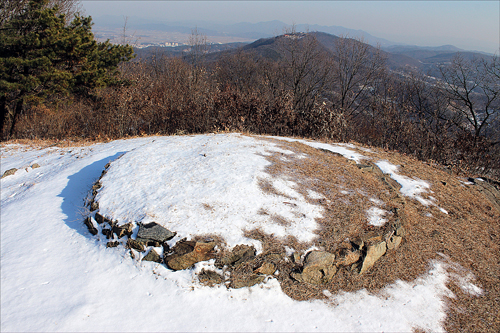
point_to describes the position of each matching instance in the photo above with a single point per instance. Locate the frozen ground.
(55, 276)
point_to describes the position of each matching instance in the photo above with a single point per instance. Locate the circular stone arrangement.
(241, 265)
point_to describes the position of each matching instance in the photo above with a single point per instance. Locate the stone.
(156, 232)
(136, 245)
(35, 166)
(393, 242)
(247, 281)
(373, 254)
(239, 255)
(149, 242)
(108, 233)
(319, 268)
(267, 268)
(152, 256)
(349, 257)
(9, 172)
(90, 226)
(400, 231)
(101, 219)
(365, 167)
(123, 230)
(296, 257)
(358, 243)
(201, 252)
(391, 183)
(331, 152)
(112, 244)
(209, 278)
(94, 205)
(488, 189)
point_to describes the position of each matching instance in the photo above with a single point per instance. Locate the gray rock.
(152, 256)
(319, 268)
(149, 242)
(373, 254)
(154, 231)
(9, 172)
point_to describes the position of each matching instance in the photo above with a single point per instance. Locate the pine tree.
(41, 56)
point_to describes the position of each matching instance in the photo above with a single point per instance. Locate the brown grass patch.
(469, 234)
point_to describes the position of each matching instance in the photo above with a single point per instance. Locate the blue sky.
(473, 25)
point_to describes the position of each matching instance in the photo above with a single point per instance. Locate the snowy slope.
(55, 276)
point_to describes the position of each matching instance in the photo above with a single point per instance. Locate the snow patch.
(375, 216)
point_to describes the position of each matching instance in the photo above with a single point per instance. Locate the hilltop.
(287, 199)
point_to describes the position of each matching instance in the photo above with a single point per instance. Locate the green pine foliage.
(41, 56)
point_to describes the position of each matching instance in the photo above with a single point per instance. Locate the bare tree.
(355, 68)
(302, 69)
(198, 43)
(473, 90)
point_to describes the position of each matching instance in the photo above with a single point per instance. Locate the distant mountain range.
(254, 31)
(243, 30)
(424, 59)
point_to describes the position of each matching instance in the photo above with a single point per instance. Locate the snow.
(55, 276)
(376, 216)
(206, 184)
(339, 148)
(409, 187)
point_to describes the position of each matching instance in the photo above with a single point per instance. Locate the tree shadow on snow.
(77, 190)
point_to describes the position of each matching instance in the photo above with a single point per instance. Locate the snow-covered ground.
(55, 276)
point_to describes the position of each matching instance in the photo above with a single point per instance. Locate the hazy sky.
(473, 25)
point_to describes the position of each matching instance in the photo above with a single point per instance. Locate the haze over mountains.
(148, 32)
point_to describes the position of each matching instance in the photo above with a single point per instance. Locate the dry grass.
(469, 234)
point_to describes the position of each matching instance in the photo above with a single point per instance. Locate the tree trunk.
(3, 114)
(17, 111)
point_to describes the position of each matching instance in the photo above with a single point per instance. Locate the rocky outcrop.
(491, 190)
